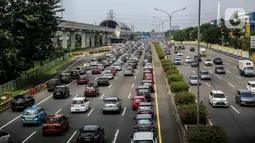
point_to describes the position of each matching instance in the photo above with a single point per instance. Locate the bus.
(93, 61)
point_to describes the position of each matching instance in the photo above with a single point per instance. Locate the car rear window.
(144, 108)
(77, 102)
(143, 122)
(110, 100)
(29, 112)
(139, 99)
(148, 76)
(51, 120)
(86, 133)
(143, 90)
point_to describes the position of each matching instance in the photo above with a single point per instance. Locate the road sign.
(252, 42)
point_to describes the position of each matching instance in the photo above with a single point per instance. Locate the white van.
(246, 68)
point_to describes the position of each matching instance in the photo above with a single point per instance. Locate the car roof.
(244, 90)
(111, 98)
(147, 81)
(251, 82)
(90, 127)
(193, 76)
(143, 116)
(34, 107)
(145, 103)
(143, 86)
(79, 98)
(143, 136)
(62, 86)
(177, 58)
(139, 97)
(55, 116)
(217, 91)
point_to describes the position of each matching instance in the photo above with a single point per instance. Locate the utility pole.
(110, 16)
(218, 13)
(198, 67)
(62, 7)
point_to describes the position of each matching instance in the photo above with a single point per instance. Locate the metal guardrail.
(24, 79)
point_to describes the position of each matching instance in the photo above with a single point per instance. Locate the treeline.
(27, 28)
(214, 34)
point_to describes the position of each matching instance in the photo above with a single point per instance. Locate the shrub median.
(187, 106)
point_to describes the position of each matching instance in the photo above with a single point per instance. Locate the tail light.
(96, 137)
(139, 112)
(44, 125)
(58, 125)
(82, 105)
(72, 105)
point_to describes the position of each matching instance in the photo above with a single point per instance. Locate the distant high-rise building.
(176, 27)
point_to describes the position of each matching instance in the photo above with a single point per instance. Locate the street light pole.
(162, 21)
(198, 67)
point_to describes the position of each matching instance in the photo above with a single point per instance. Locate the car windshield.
(89, 87)
(59, 88)
(246, 94)
(208, 60)
(248, 68)
(139, 99)
(217, 58)
(146, 83)
(143, 122)
(193, 77)
(77, 102)
(148, 76)
(205, 73)
(110, 101)
(143, 90)
(188, 58)
(144, 108)
(51, 120)
(220, 68)
(86, 133)
(177, 59)
(219, 95)
(29, 112)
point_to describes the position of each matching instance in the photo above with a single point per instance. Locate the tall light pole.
(198, 54)
(62, 7)
(162, 21)
(170, 18)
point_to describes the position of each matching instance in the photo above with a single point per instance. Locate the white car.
(108, 75)
(100, 66)
(4, 137)
(148, 64)
(188, 59)
(208, 62)
(218, 98)
(251, 86)
(179, 54)
(117, 67)
(148, 67)
(80, 104)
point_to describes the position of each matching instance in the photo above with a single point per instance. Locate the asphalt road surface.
(118, 127)
(238, 121)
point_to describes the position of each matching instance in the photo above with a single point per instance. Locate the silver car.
(112, 104)
(5, 137)
(128, 72)
(144, 137)
(193, 80)
(205, 75)
(108, 75)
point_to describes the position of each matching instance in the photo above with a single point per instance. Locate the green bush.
(207, 134)
(166, 64)
(179, 86)
(166, 67)
(188, 114)
(164, 61)
(184, 98)
(161, 53)
(172, 71)
(172, 77)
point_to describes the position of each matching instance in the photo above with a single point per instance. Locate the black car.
(61, 92)
(245, 98)
(51, 84)
(219, 70)
(22, 101)
(81, 69)
(217, 61)
(103, 81)
(74, 74)
(149, 83)
(183, 47)
(196, 57)
(91, 134)
(65, 77)
(194, 63)
(144, 122)
(191, 49)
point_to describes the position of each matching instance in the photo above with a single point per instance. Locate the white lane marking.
(129, 95)
(137, 72)
(11, 121)
(132, 85)
(231, 85)
(218, 76)
(116, 78)
(96, 78)
(110, 86)
(115, 136)
(71, 82)
(102, 96)
(234, 109)
(44, 100)
(208, 84)
(71, 137)
(90, 111)
(29, 137)
(138, 67)
(135, 77)
(75, 96)
(228, 71)
(58, 111)
(234, 66)
(73, 63)
(238, 77)
(124, 111)
(193, 71)
(188, 66)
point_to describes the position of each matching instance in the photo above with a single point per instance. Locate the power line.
(136, 19)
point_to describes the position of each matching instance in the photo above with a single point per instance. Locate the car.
(205, 75)
(219, 70)
(144, 122)
(61, 91)
(108, 75)
(82, 79)
(217, 61)
(100, 66)
(128, 72)
(179, 54)
(65, 77)
(148, 77)
(148, 65)
(208, 62)
(177, 61)
(91, 90)
(245, 97)
(22, 101)
(57, 123)
(193, 80)
(192, 49)
(103, 81)
(91, 134)
(197, 58)
(80, 104)
(112, 104)
(118, 67)
(218, 98)
(33, 115)
(114, 72)
(144, 137)
(74, 74)
(136, 101)
(146, 71)
(251, 86)
(148, 83)
(144, 91)
(4, 137)
(194, 63)
(188, 59)
(81, 69)
(96, 70)
(51, 84)
(145, 108)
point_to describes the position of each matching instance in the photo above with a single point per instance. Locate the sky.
(141, 12)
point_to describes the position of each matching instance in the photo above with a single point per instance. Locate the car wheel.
(9, 140)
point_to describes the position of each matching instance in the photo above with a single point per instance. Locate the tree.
(211, 35)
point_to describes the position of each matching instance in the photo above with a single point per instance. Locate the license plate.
(29, 118)
(77, 109)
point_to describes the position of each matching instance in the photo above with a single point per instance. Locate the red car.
(136, 101)
(148, 77)
(91, 90)
(82, 79)
(96, 71)
(147, 72)
(114, 71)
(55, 124)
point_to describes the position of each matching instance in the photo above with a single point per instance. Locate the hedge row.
(187, 107)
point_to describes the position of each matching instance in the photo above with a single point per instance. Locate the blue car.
(33, 115)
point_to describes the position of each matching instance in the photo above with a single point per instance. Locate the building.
(214, 22)
(252, 21)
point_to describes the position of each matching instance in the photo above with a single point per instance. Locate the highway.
(238, 121)
(118, 127)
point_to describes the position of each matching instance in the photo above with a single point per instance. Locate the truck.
(93, 61)
(246, 68)
(203, 52)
